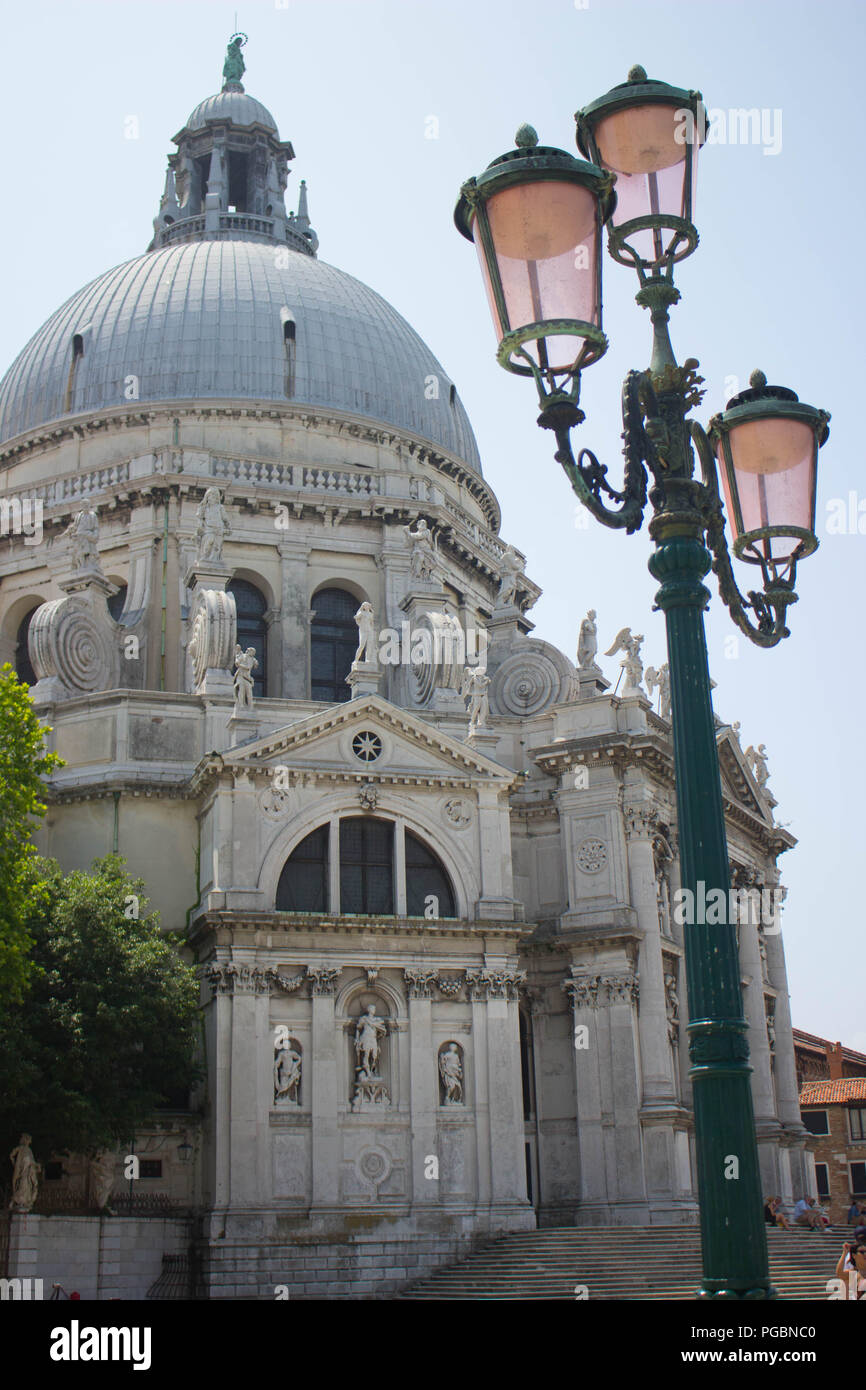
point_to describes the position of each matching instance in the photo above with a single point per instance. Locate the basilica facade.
(426, 862)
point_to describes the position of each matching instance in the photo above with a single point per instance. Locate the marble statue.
(25, 1176)
(660, 680)
(368, 1030)
(672, 1008)
(213, 525)
(587, 643)
(476, 684)
(100, 1178)
(735, 729)
(757, 760)
(234, 66)
(451, 1071)
(369, 1085)
(83, 533)
(631, 663)
(510, 570)
(287, 1075)
(423, 560)
(365, 619)
(245, 662)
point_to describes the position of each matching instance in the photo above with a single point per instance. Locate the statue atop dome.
(234, 66)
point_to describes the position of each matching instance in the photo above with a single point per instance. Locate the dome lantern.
(229, 175)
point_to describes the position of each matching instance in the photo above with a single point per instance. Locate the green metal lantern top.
(638, 90)
(529, 161)
(761, 402)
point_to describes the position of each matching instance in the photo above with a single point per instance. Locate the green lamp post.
(535, 216)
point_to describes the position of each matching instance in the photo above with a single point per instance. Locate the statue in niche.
(451, 1072)
(234, 66)
(366, 621)
(25, 1176)
(510, 570)
(587, 643)
(287, 1074)
(672, 1008)
(631, 663)
(660, 680)
(369, 1086)
(762, 949)
(476, 684)
(213, 525)
(757, 760)
(83, 533)
(422, 564)
(245, 663)
(663, 858)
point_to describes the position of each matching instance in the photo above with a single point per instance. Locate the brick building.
(832, 1081)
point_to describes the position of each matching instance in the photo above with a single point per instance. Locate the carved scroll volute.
(213, 635)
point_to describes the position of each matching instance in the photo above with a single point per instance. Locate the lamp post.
(531, 217)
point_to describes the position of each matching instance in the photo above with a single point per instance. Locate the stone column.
(325, 1092)
(423, 1081)
(763, 1096)
(250, 1068)
(494, 835)
(801, 1161)
(498, 988)
(582, 990)
(655, 1049)
(295, 635)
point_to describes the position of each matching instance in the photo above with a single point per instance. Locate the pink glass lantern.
(766, 444)
(535, 217)
(648, 134)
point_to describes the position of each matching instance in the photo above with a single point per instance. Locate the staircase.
(621, 1262)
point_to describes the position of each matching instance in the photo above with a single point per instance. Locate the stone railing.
(147, 469)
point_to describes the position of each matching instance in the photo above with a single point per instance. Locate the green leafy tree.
(23, 764)
(108, 1028)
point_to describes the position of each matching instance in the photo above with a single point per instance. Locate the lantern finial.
(526, 137)
(757, 380)
(637, 73)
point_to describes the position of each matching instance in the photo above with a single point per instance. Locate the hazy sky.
(359, 88)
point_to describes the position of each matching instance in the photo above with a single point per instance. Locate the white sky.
(775, 283)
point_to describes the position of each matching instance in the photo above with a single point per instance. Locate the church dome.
(207, 320)
(231, 104)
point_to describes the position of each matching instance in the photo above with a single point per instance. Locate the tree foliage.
(23, 764)
(108, 1028)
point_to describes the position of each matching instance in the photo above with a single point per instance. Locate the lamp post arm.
(770, 607)
(587, 476)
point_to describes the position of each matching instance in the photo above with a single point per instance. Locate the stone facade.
(526, 1061)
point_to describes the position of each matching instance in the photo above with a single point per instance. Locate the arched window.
(23, 665)
(334, 641)
(116, 602)
(303, 885)
(426, 878)
(366, 865)
(366, 882)
(290, 346)
(252, 629)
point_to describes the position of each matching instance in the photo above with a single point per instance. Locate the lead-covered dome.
(216, 320)
(231, 104)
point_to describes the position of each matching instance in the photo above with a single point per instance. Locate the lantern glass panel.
(774, 470)
(654, 179)
(545, 235)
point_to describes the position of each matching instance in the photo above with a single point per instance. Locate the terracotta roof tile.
(833, 1092)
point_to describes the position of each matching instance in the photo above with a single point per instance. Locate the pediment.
(738, 782)
(410, 748)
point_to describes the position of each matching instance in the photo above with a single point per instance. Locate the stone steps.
(620, 1262)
